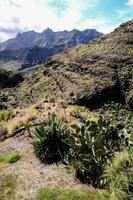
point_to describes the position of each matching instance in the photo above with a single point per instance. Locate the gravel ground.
(31, 174)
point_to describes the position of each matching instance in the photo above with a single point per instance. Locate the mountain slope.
(88, 75)
(8, 79)
(98, 72)
(25, 47)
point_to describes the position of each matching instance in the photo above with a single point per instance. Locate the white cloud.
(3, 37)
(39, 14)
(126, 12)
(123, 12)
(130, 2)
(100, 23)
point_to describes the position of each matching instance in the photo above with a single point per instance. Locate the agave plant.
(49, 140)
(92, 145)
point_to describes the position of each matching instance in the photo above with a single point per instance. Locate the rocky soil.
(31, 174)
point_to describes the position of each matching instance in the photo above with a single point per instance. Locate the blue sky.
(23, 15)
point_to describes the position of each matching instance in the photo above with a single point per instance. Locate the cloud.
(3, 37)
(100, 23)
(10, 31)
(126, 12)
(39, 14)
(123, 12)
(130, 2)
(24, 15)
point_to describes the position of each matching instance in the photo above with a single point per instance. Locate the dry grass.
(13, 125)
(19, 121)
(41, 110)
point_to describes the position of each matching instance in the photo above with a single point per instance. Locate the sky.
(23, 15)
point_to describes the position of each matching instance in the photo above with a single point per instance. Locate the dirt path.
(31, 174)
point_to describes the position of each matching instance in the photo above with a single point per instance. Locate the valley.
(66, 125)
(31, 48)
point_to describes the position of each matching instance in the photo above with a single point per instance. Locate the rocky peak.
(47, 31)
(53, 42)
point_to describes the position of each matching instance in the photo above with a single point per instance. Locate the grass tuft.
(57, 194)
(8, 185)
(11, 158)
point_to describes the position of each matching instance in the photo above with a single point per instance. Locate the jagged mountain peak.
(47, 31)
(75, 30)
(88, 75)
(32, 48)
(93, 74)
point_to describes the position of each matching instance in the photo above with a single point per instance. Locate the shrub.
(119, 176)
(12, 158)
(118, 114)
(49, 140)
(92, 144)
(77, 111)
(5, 115)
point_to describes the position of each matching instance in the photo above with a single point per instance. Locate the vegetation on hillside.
(91, 137)
(11, 158)
(91, 147)
(49, 140)
(57, 194)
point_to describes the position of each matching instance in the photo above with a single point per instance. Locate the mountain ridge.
(88, 75)
(47, 43)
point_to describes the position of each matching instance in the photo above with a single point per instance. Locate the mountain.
(88, 75)
(31, 48)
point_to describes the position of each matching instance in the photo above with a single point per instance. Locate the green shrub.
(118, 114)
(92, 144)
(49, 140)
(119, 176)
(78, 111)
(12, 158)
